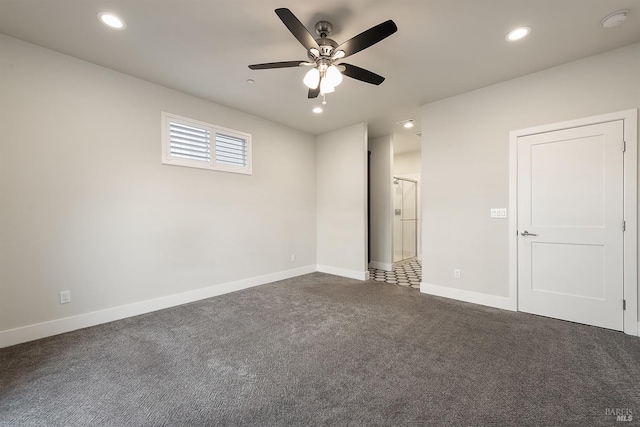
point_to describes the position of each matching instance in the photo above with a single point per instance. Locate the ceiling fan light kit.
(333, 75)
(326, 87)
(312, 78)
(324, 54)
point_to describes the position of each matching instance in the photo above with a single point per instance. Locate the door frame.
(630, 290)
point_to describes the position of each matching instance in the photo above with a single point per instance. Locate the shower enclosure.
(405, 219)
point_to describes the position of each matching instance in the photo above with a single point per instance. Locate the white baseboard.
(381, 265)
(504, 303)
(68, 324)
(343, 272)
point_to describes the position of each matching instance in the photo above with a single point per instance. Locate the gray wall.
(87, 206)
(341, 159)
(381, 202)
(465, 159)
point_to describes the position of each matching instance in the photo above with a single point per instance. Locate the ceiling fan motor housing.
(324, 28)
(326, 46)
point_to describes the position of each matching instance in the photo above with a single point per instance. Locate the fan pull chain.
(324, 99)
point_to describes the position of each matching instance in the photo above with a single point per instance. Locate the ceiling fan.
(325, 55)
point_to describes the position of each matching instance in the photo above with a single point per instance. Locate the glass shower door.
(409, 220)
(405, 219)
(397, 221)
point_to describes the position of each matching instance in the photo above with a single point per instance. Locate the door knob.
(525, 233)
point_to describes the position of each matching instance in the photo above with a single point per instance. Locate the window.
(188, 142)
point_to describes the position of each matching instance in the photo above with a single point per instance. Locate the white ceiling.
(442, 48)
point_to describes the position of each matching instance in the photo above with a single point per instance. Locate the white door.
(570, 216)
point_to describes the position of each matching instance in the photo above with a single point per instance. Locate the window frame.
(211, 164)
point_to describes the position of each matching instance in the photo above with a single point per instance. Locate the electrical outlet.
(65, 297)
(293, 257)
(456, 273)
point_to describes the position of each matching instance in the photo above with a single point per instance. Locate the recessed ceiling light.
(615, 18)
(112, 20)
(250, 81)
(407, 124)
(517, 34)
(317, 110)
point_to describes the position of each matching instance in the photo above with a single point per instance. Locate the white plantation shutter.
(231, 150)
(188, 142)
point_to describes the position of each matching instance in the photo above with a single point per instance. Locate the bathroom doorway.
(405, 219)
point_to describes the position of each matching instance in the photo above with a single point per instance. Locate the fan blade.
(284, 64)
(313, 93)
(297, 29)
(368, 38)
(362, 74)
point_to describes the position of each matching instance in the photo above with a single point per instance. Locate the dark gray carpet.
(322, 350)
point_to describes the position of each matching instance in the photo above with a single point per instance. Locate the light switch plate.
(499, 213)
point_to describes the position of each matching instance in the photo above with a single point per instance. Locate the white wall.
(87, 206)
(341, 191)
(465, 159)
(408, 164)
(381, 203)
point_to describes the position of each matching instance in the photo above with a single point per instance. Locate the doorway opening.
(394, 202)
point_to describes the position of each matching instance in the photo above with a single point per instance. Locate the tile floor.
(407, 273)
